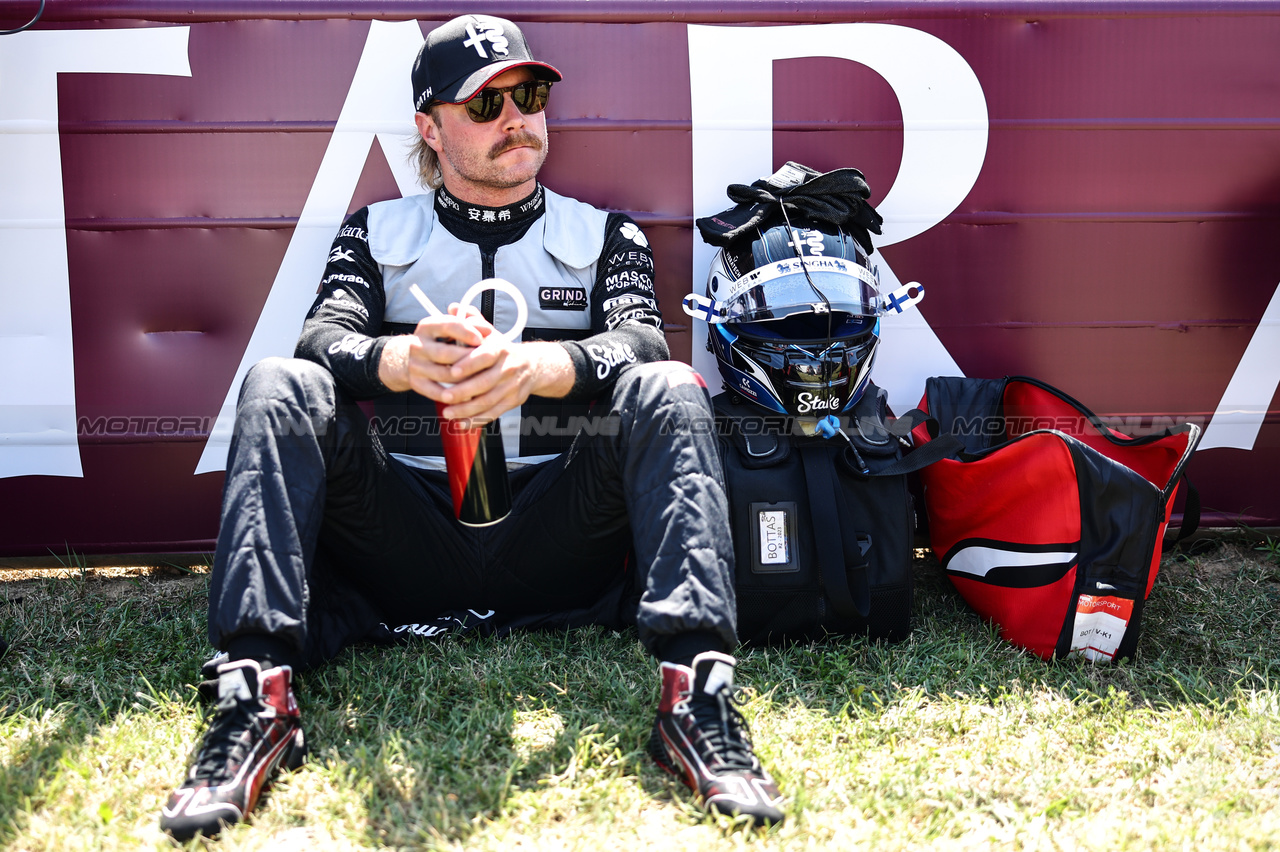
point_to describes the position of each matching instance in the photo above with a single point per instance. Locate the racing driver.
(332, 530)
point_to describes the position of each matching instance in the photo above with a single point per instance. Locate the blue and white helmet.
(798, 318)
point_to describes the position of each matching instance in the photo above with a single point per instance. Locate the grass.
(952, 739)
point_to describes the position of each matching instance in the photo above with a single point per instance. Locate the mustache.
(517, 140)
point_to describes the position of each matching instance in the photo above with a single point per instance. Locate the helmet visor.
(808, 285)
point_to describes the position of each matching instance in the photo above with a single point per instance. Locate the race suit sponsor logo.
(441, 625)
(339, 253)
(339, 299)
(608, 357)
(482, 214)
(628, 299)
(562, 298)
(345, 278)
(642, 259)
(632, 231)
(640, 315)
(353, 232)
(629, 278)
(533, 203)
(356, 345)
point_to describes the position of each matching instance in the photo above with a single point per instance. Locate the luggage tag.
(906, 296)
(700, 307)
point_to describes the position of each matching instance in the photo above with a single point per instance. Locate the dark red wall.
(1120, 241)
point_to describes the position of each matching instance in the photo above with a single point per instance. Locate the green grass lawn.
(952, 739)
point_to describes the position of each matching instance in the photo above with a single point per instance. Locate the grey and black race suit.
(333, 522)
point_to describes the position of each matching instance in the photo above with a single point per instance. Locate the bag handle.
(1190, 515)
(937, 448)
(819, 475)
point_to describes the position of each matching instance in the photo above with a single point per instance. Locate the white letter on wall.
(379, 103)
(37, 368)
(1244, 403)
(944, 117)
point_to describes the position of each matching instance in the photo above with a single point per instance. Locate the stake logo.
(608, 357)
(810, 402)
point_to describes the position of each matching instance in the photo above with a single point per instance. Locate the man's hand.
(464, 363)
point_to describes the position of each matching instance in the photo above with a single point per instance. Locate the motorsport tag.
(904, 297)
(700, 307)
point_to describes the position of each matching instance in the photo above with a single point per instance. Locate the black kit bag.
(823, 528)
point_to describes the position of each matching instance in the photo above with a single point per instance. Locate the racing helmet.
(801, 318)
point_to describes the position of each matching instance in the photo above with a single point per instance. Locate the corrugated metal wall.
(1118, 241)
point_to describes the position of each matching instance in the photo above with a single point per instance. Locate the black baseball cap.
(461, 56)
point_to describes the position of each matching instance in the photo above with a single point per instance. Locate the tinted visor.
(785, 288)
(810, 380)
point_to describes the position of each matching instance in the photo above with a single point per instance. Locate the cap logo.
(491, 33)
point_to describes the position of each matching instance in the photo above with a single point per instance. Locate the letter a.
(379, 103)
(37, 372)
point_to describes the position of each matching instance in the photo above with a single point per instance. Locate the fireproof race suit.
(586, 276)
(332, 524)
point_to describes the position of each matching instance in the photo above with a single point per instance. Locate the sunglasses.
(529, 97)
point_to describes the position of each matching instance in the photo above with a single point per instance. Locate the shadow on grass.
(456, 736)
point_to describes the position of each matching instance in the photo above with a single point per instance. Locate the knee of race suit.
(669, 396)
(651, 405)
(277, 378)
(659, 382)
(294, 383)
(287, 397)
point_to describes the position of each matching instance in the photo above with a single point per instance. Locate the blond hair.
(424, 156)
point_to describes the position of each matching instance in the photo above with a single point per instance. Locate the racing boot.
(702, 739)
(255, 730)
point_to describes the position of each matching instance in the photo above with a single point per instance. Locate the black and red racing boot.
(702, 739)
(255, 730)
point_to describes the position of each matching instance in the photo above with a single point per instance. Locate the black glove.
(836, 198)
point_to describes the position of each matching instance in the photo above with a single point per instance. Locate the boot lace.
(227, 742)
(725, 740)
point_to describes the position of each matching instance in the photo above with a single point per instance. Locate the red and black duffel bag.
(1050, 523)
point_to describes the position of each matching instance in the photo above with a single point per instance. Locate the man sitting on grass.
(329, 530)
